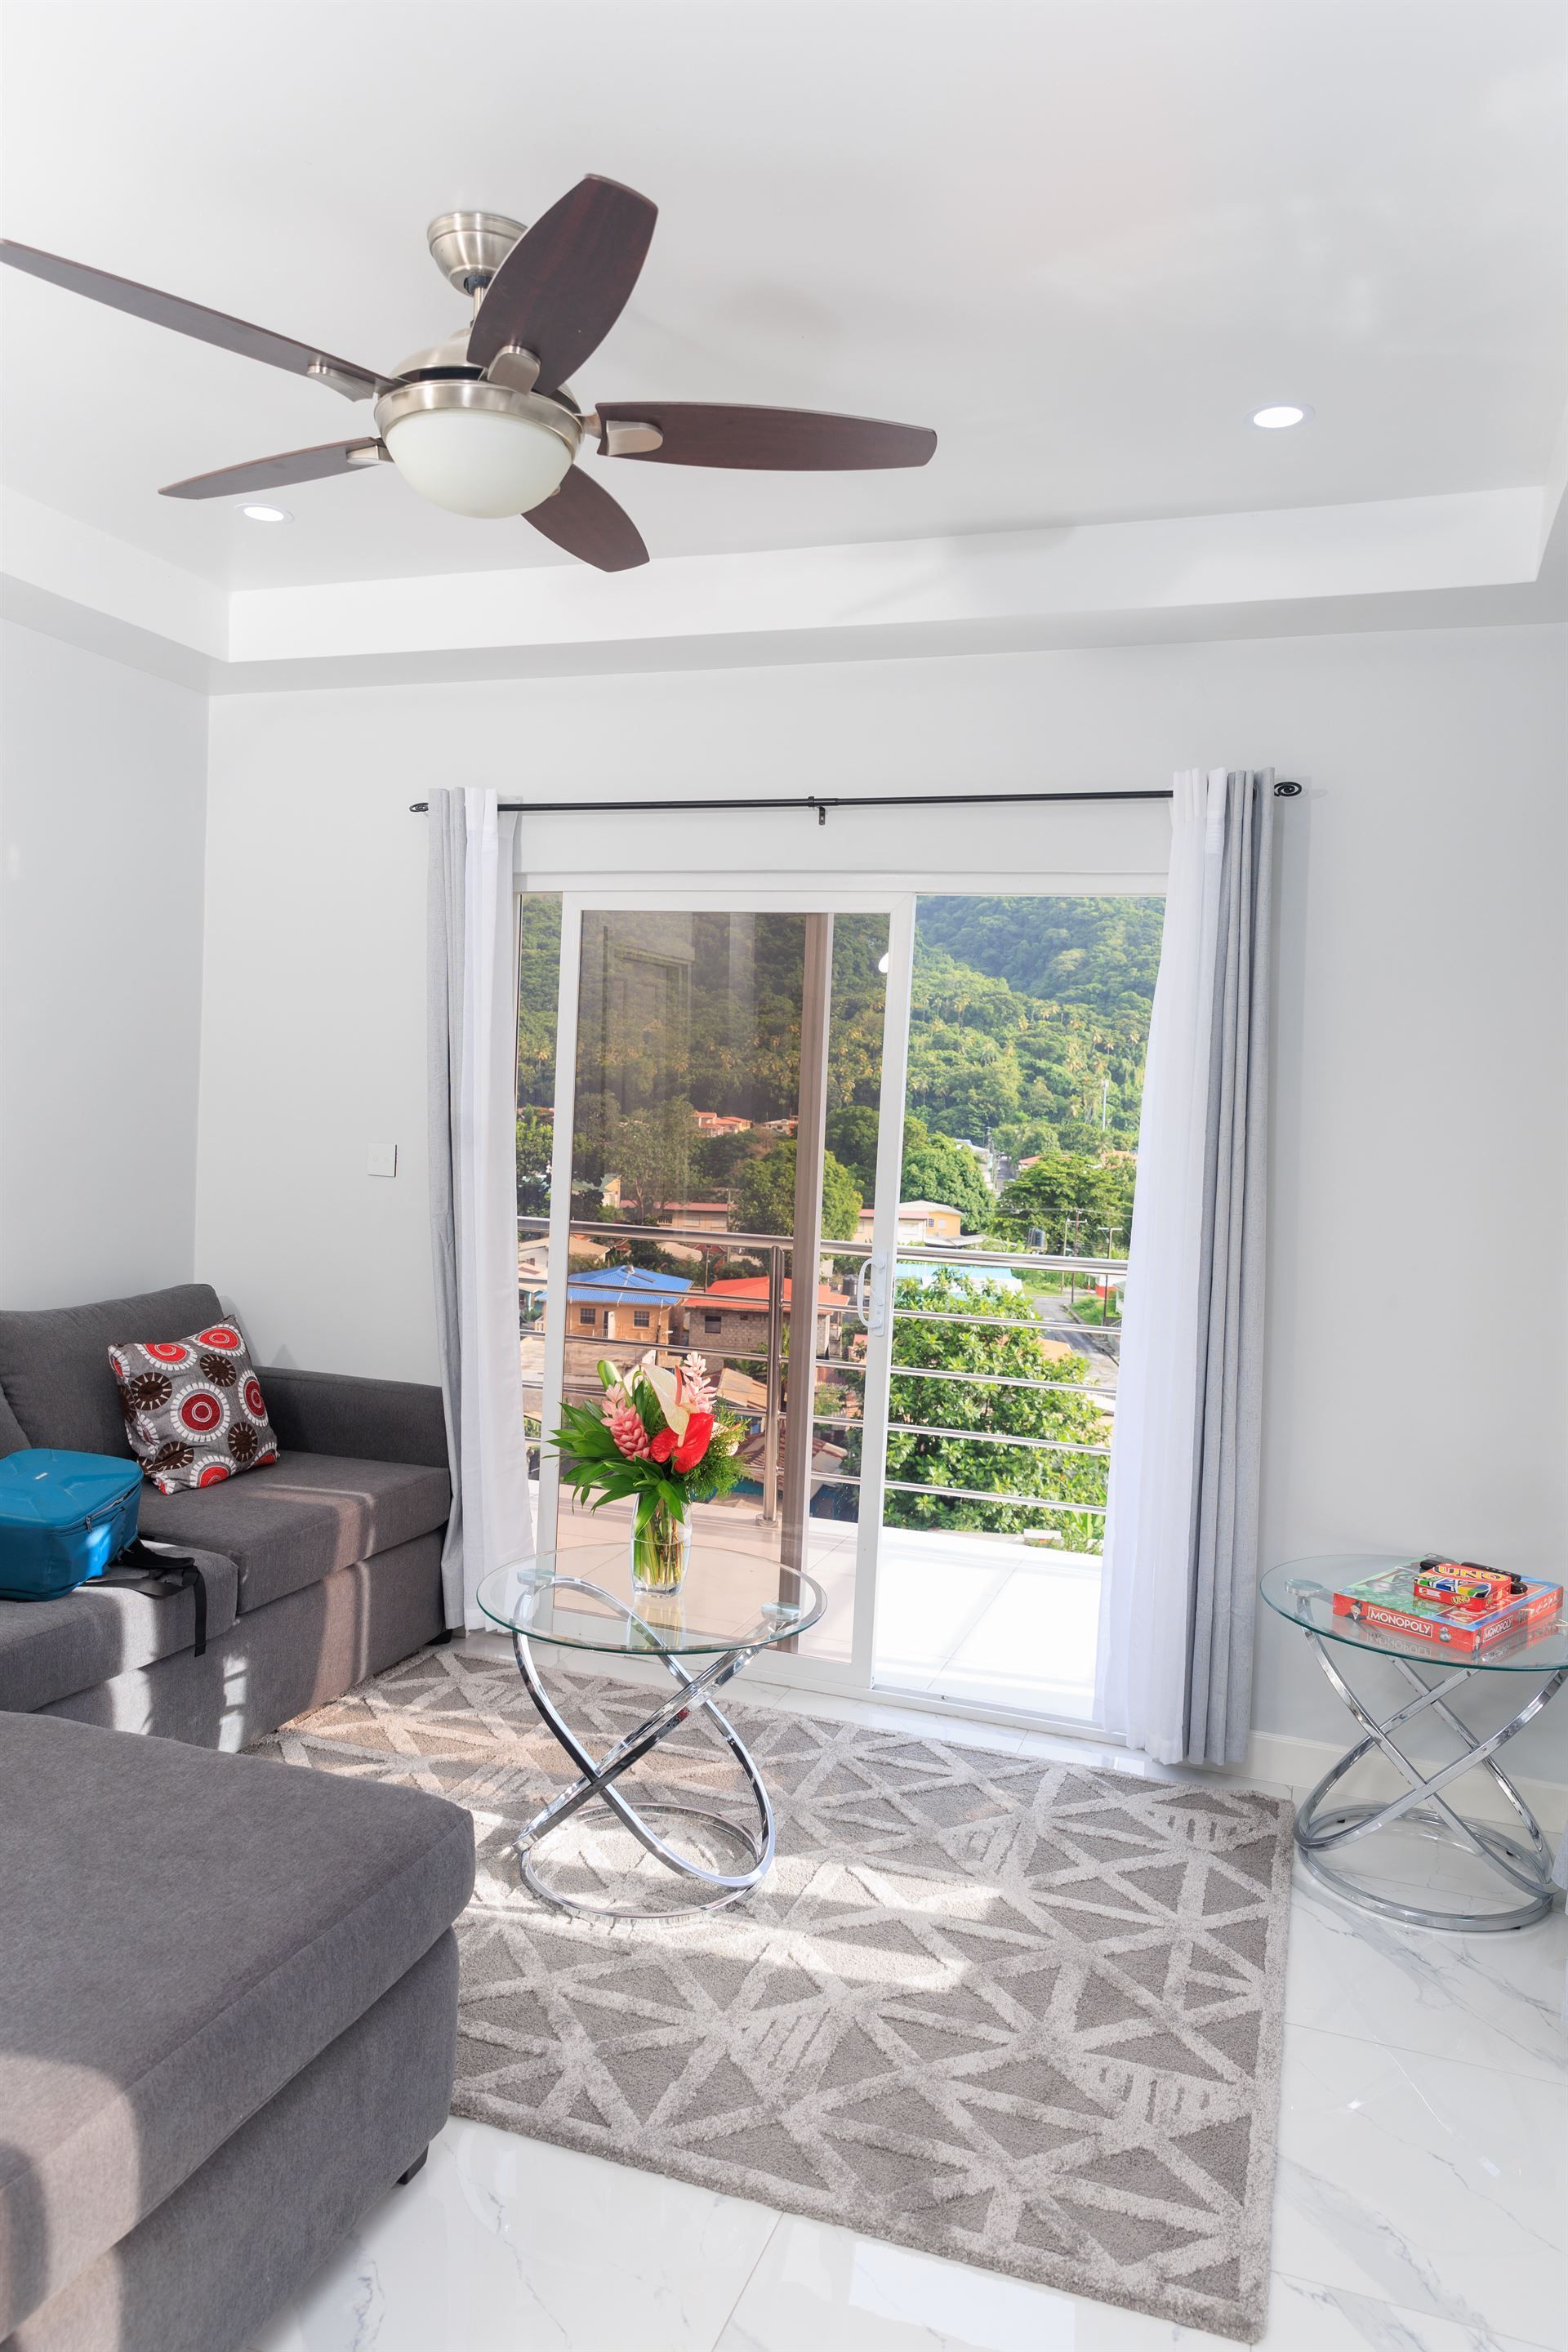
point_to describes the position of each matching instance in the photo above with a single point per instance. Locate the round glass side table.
(1518, 1857)
(730, 1605)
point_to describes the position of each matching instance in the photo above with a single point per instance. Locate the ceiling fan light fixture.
(477, 448)
(484, 423)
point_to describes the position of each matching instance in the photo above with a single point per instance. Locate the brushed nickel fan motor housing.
(473, 392)
(449, 361)
(448, 357)
(467, 248)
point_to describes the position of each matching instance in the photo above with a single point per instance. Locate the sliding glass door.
(919, 1339)
(1029, 1020)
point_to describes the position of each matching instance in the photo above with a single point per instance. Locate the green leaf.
(649, 1410)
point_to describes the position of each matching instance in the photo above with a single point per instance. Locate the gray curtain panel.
(447, 843)
(1224, 1511)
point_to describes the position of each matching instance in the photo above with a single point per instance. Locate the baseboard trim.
(1273, 1756)
(1298, 1764)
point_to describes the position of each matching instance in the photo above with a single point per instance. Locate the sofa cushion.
(51, 1649)
(193, 1409)
(54, 1362)
(14, 1438)
(183, 1933)
(291, 1524)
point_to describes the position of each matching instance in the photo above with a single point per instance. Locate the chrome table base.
(597, 1788)
(1522, 1862)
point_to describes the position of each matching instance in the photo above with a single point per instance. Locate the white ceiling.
(1084, 241)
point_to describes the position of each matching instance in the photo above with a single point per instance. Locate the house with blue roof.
(632, 1306)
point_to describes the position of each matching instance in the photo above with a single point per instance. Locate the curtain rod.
(1283, 790)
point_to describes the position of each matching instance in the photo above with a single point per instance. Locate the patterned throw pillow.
(193, 1408)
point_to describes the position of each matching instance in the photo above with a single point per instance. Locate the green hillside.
(1031, 1018)
(1098, 952)
(1029, 1024)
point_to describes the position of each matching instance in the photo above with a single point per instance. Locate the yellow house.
(921, 1224)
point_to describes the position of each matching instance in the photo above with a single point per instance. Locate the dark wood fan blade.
(564, 284)
(771, 440)
(271, 473)
(191, 319)
(587, 522)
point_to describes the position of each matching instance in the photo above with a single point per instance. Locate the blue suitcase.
(67, 1518)
(64, 1517)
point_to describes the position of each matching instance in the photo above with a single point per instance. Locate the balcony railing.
(1091, 1327)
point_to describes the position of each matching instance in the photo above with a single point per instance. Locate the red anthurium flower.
(663, 1446)
(694, 1446)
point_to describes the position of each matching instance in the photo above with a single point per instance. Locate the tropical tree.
(535, 1143)
(716, 1160)
(651, 1153)
(764, 1201)
(538, 990)
(934, 1167)
(937, 1168)
(1078, 1199)
(966, 1414)
(852, 1139)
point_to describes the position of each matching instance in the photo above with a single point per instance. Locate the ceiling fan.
(485, 423)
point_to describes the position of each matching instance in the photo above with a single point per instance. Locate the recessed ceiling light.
(266, 514)
(1275, 420)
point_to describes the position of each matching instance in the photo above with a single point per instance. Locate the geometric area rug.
(1012, 2011)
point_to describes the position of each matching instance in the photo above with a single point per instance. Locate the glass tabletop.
(1304, 1589)
(583, 1598)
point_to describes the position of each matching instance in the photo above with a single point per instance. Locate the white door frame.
(895, 894)
(558, 1250)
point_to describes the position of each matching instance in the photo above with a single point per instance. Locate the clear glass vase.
(661, 1549)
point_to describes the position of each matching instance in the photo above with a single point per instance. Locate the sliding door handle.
(871, 1292)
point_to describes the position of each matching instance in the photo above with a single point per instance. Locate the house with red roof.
(733, 1314)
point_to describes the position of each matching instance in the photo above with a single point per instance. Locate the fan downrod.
(467, 248)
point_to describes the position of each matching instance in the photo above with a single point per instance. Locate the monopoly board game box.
(1454, 1605)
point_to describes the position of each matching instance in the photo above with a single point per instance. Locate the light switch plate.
(381, 1160)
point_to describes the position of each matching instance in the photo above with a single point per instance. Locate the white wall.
(1415, 1382)
(102, 806)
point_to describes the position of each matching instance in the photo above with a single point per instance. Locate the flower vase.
(660, 1547)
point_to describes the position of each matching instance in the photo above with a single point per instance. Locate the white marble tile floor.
(1421, 2202)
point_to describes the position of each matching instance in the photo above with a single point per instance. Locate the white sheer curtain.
(472, 966)
(1180, 1569)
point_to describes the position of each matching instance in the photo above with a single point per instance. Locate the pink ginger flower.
(697, 1388)
(626, 1429)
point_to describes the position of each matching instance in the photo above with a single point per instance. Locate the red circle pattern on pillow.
(188, 1433)
(200, 1412)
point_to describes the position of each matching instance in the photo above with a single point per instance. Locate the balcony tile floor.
(956, 1611)
(1421, 2202)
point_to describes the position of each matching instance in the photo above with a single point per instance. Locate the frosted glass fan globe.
(473, 461)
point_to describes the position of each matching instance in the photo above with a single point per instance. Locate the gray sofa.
(228, 1987)
(320, 1570)
(227, 2027)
